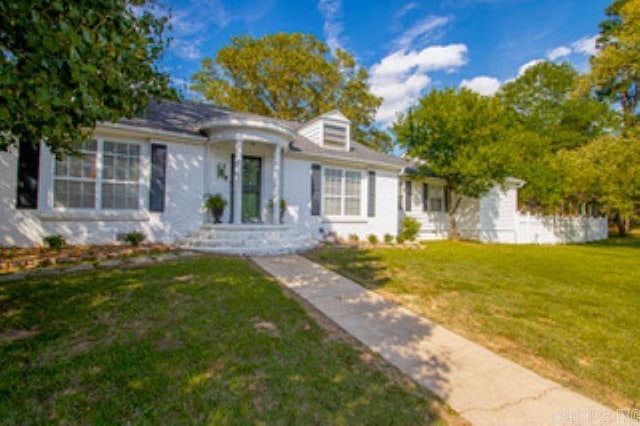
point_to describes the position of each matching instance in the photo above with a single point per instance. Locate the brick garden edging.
(126, 262)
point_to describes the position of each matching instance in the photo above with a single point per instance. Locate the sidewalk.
(481, 386)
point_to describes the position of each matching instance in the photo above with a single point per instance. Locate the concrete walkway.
(483, 387)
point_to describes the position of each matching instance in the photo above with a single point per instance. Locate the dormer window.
(334, 136)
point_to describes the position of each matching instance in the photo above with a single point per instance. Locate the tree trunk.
(453, 230)
(622, 224)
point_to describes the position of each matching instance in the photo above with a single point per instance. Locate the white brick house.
(152, 173)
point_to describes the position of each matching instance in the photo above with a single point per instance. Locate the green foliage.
(388, 239)
(410, 229)
(461, 136)
(606, 170)
(292, 77)
(215, 204)
(67, 65)
(542, 100)
(55, 242)
(134, 238)
(615, 70)
(353, 238)
(373, 239)
(553, 118)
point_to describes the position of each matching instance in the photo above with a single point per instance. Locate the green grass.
(571, 313)
(207, 340)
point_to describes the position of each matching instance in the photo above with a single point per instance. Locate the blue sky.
(409, 47)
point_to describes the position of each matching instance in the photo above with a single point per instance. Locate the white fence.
(533, 229)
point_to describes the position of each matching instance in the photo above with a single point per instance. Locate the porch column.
(237, 184)
(277, 161)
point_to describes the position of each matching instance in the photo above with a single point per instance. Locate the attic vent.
(335, 136)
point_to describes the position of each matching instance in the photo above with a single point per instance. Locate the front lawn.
(204, 340)
(571, 313)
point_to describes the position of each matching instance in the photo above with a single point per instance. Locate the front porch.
(246, 170)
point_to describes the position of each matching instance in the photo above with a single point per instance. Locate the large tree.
(615, 69)
(467, 139)
(64, 66)
(543, 102)
(292, 77)
(606, 170)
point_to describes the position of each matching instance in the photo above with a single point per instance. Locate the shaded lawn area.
(205, 340)
(571, 313)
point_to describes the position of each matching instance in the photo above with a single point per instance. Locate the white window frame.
(343, 196)
(115, 181)
(81, 179)
(143, 166)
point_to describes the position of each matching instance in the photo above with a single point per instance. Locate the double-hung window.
(342, 192)
(105, 174)
(120, 176)
(74, 181)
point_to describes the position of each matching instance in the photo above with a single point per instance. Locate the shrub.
(373, 239)
(388, 239)
(353, 238)
(400, 239)
(215, 204)
(410, 228)
(55, 242)
(134, 238)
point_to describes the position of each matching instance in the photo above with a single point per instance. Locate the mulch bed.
(25, 259)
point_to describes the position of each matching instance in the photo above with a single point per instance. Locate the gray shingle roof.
(185, 117)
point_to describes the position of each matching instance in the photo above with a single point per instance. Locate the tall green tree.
(542, 101)
(467, 139)
(292, 77)
(607, 170)
(615, 70)
(64, 66)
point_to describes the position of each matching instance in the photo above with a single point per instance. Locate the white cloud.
(559, 52)
(400, 13)
(586, 45)
(400, 77)
(482, 84)
(419, 29)
(191, 24)
(523, 68)
(187, 49)
(331, 11)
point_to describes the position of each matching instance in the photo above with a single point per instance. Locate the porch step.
(247, 240)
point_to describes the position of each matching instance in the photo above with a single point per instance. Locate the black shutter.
(425, 197)
(407, 196)
(371, 201)
(447, 198)
(28, 171)
(158, 177)
(316, 196)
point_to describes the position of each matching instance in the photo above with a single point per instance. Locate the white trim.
(88, 215)
(255, 124)
(362, 217)
(341, 161)
(124, 131)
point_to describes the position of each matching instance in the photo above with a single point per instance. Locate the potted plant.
(215, 204)
(283, 208)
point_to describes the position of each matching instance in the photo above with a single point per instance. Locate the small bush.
(410, 228)
(55, 242)
(353, 238)
(134, 238)
(373, 239)
(388, 239)
(400, 239)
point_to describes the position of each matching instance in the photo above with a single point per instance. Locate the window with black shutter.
(425, 197)
(158, 177)
(316, 195)
(407, 196)
(371, 199)
(28, 171)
